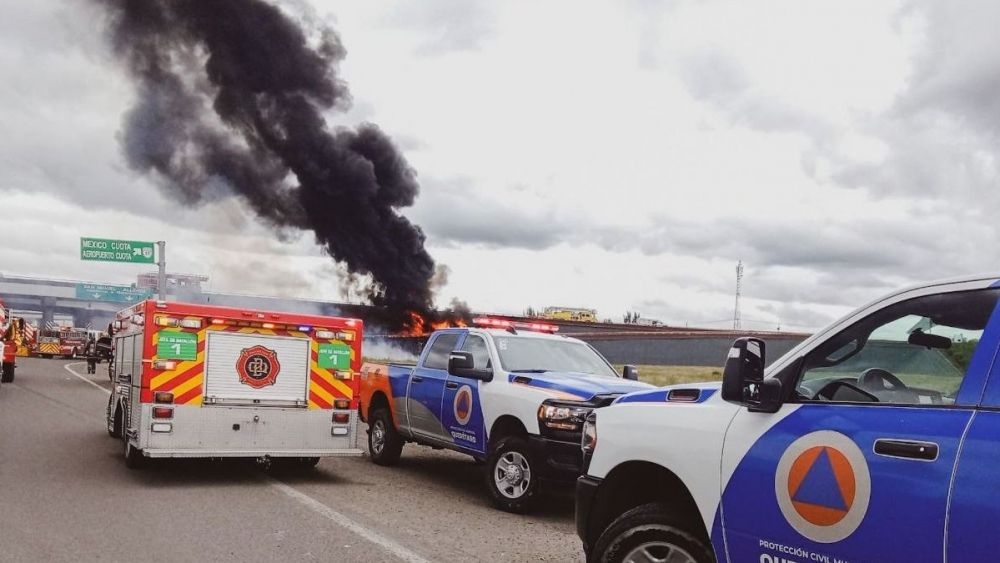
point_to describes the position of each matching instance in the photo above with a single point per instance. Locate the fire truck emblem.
(258, 366)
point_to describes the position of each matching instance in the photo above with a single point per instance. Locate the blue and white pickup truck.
(876, 439)
(513, 397)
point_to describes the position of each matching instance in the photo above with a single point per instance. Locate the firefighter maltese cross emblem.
(258, 366)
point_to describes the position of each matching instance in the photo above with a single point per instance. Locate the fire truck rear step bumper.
(353, 452)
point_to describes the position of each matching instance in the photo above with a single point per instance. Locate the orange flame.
(420, 325)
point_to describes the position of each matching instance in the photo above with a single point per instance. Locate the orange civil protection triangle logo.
(463, 405)
(823, 486)
(258, 366)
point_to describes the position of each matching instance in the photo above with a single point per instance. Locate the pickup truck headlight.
(562, 417)
(589, 440)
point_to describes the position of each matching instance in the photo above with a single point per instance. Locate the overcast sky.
(609, 155)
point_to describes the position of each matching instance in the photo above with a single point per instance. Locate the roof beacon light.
(504, 323)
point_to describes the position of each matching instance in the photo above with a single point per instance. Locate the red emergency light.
(504, 323)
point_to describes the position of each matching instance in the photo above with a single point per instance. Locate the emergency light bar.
(504, 323)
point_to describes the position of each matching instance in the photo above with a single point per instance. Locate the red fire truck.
(67, 342)
(205, 381)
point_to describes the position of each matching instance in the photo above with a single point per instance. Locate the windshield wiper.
(529, 370)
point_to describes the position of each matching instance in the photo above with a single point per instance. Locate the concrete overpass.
(94, 304)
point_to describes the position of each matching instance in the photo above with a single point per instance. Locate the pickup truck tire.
(8, 373)
(384, 443)
(646, 533)
(511, 475)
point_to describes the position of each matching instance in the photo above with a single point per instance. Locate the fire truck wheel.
(384, 443)
(8, 373)
(511, 475)
(133, 456)
(115, 430)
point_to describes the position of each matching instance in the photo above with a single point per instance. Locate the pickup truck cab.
(876, 439)
(513, 398)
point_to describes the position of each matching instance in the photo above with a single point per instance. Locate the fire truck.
(205, 381)
(67, 342)
(8, 344)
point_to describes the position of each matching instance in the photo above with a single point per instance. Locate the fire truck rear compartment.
(244, 431)
(222, 381)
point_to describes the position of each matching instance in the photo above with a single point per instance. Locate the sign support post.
(161, 282)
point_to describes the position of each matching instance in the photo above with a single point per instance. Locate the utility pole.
(739, 291)
(161, 280)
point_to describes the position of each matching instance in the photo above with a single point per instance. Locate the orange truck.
(204, 381)
(10, 329)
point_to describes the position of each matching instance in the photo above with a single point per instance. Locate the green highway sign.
(109, 250)
(116, 293)
(334, 356)
(177, 346)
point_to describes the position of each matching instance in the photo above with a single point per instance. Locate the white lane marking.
(342, 520)
(317, 506)
(82, 378)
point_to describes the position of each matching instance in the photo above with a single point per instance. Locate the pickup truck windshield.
(544, 354)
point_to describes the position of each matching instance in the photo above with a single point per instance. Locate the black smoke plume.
(230, 101)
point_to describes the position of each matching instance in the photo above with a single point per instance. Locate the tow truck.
(513, 395)
(204, 381)
(876, 439)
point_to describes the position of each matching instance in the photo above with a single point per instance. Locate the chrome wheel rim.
(512, 475)
(658, 552)
(378, 437)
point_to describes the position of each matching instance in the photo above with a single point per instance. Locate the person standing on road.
(91, 353)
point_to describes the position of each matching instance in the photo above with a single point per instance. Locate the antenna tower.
(737, 324)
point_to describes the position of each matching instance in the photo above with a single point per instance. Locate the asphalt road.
(66, 495)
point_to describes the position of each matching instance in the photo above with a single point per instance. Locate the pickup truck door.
(858, 467)
(426, 387)
(461, 409)
(975, 498)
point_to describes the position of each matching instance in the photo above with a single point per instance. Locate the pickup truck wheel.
(8, 373)
(384, 443)
(511, 475)
(645, 533)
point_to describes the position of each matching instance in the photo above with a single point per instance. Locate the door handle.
(907, 449)
(416, 379)
(451, 385)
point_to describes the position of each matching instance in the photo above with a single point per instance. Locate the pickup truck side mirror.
(743, 378)
(630, 372)
(462, 364)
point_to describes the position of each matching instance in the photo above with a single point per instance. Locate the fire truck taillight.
(346, 336)
(191, 323)
(163, 397)
(341, 417)
(342, 404)
(164, 364)
(163, 412)
(345, 375)
(326, 334)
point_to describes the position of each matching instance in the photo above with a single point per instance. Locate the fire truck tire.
(8, 373)
(133, 456)
(115, 429)
(512, 475)
(384, 443)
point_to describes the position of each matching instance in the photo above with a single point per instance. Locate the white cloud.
(608, 155)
